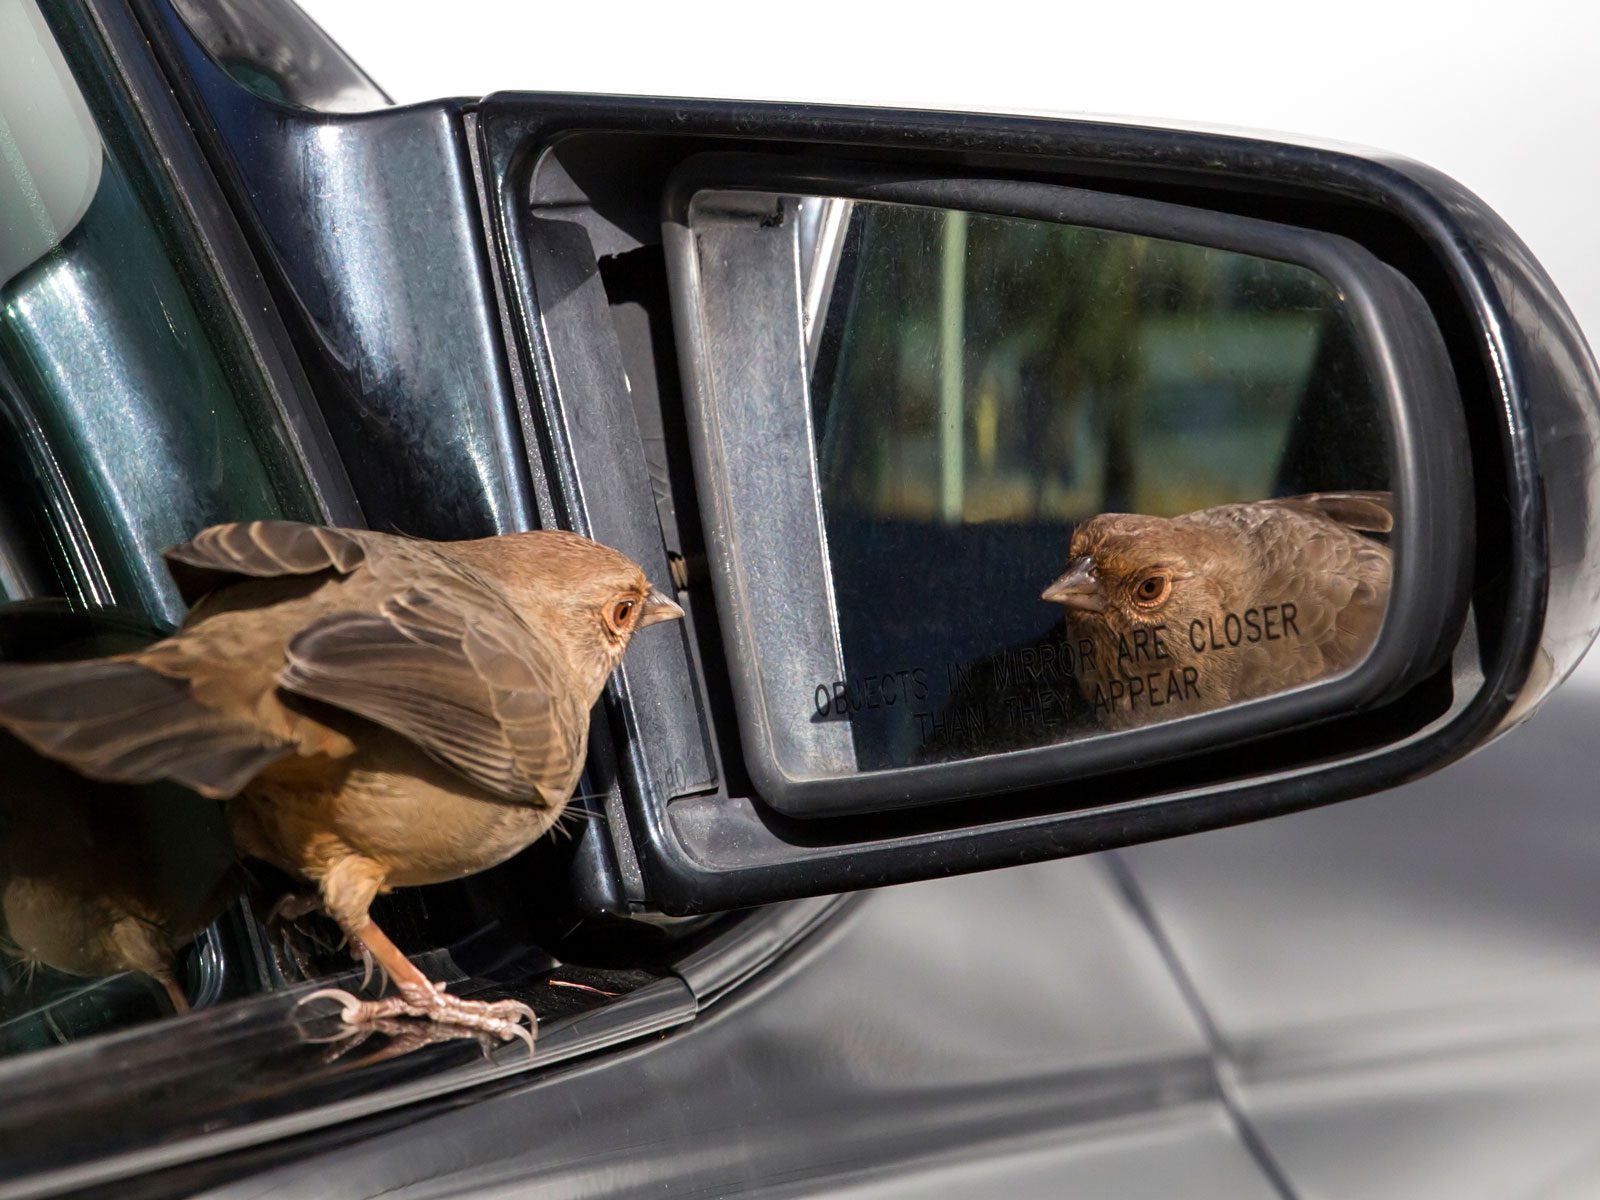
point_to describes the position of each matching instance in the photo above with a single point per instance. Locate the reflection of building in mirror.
(1170, 616)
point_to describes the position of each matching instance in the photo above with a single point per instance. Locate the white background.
(1505, 97)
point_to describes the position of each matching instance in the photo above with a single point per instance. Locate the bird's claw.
(499, 1018)
(282, 923)
(369, 964)
(401, 1036)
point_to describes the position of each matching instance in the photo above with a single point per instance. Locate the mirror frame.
(1405, 358)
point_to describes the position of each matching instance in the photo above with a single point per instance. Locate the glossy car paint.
(371, 224)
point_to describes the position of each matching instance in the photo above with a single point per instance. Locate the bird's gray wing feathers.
(225, 554)
(1370, 512)
(449, 665)
(115, 720)
(1338, 583)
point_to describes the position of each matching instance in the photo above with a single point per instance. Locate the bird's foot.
(400, 1036)
(285, 934)
(499, 1018)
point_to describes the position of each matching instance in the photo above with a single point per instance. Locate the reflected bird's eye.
(620, 612)
(1152, 590)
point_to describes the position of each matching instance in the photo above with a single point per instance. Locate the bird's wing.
(1338, 582)
(225, 554)
(447, 662)
(198, 708)
(1370, 512)
(118, 720)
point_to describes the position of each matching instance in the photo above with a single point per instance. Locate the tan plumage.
(1236, 569)
(380, 710)
(97, 879)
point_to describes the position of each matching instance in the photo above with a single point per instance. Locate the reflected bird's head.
(1126, 571)
(1256, 597)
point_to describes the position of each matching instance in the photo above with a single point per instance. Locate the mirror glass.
(992, 483)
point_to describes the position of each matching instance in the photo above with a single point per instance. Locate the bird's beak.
(1079, 588)
(658, 606)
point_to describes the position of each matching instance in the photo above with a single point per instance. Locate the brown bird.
(379, 711)
(1173, 615)
(97, 879)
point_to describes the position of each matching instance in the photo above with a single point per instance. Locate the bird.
(1173, 615)
(376, 710)
(97, 879)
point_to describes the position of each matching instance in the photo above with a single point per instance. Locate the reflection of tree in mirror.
(1099, 370)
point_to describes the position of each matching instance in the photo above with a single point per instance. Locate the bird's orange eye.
(620, 612)
(1152, 590)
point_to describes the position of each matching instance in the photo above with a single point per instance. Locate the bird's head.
(1127, 571)
(596, 596)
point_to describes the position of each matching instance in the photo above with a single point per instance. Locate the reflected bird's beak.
(1079, 588)
(658, 606)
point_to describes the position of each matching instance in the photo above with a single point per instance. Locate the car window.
(131, 415)
(129, 395)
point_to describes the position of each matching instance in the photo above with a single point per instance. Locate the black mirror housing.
(1493, 424)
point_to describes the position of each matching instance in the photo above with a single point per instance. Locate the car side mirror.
(871, 385)
(1033, 486)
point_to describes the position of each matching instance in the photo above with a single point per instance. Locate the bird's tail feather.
(116, 720)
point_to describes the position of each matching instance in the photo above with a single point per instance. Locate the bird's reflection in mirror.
(990, 403)
(1176, 615)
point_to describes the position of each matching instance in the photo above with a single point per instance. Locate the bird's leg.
(348, 890)
(174, 990)
(421, 997)
(280, 922)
